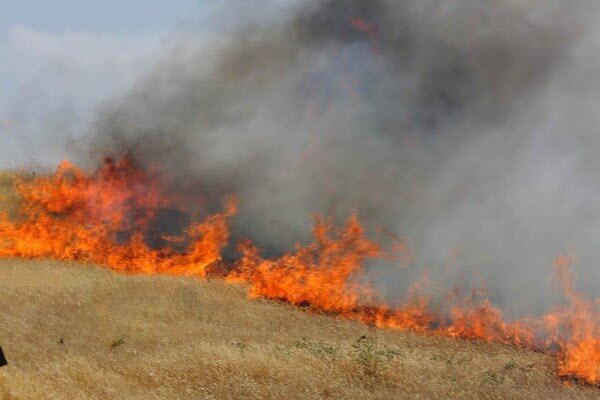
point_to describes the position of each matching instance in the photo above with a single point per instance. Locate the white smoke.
(468, 128)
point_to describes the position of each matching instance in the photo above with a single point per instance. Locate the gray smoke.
(467, 126)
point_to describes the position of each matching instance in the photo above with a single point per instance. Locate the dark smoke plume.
(430, 118)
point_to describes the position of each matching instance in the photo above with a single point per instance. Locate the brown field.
(72, 331)
(81, 332)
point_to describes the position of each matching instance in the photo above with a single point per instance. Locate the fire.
(365, 27)
(105, 218)
(329, 274)
(109, 217)
(576, 329)
(307, 276)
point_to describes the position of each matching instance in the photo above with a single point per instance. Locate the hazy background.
(59, 59)
(468, 127)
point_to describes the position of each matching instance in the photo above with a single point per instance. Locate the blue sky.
(114, 16)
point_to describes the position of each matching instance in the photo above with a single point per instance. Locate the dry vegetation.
(77, 332)
(9, 200)
(81, 332)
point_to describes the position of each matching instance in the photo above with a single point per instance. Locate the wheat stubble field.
(74, 331)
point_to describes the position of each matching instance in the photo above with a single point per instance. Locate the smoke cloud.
(467, 127)
(52, 84)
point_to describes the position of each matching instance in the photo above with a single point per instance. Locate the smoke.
(468, 127)
(52, 83)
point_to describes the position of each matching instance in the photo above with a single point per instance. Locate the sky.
(60, 59)
(108, 16)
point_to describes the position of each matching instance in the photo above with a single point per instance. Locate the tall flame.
(329, 274)
(104, 217)
(576, 329)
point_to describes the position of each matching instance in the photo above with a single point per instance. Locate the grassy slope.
(74, 332)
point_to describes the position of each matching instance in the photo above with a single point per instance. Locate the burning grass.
(104, 218)
(10, 201)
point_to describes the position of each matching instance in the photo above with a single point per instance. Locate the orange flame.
(329, 274)
(576, 329)
(104, 218)
(307, 276)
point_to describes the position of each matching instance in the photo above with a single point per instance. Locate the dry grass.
(9, 200)
(79, 332)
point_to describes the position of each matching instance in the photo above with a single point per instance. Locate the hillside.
(71, 332)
